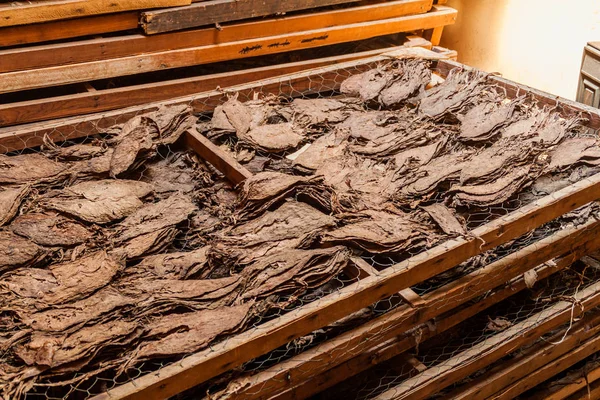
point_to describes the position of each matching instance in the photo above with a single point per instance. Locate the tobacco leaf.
(292, 225)
(273, 137)
(147, 243)
(136, 140)
(16, 251)
(310, 112)
(30, 168)
(56, 350)
(457, 90)
(50, 229)
(75, 152)
(574, 150)
(368, 85)
(175, 173)
(446, 219)
(483, 121)
(380, 232)
(418, 156)
(263, 190)
(293, 271)
(101, 201)
(172, 122)
(232, 116)
(411, 78)
(10, 201)
(185, 333)
(98, 166)
(321, 151)
(179, 265)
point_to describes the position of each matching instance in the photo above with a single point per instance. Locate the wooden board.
(59, 75)
(493, 348)
(42, 11)
(115, 98)
(123, 46)
(301, 371)
(536, 364)
(72, 28)
(219, 11)
(566, 387)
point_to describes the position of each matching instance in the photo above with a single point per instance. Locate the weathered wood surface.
(219, 11)
(223, 162)
(51, 10)
(115, 98)
(494, 348)
(562, 390)
(83, 51)
(102, 69)
(72, 28)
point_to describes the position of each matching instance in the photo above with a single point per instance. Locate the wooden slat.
(112, 99)
(536, 364)
(43, 11)
(58, 75)
(223, 162)
(493, 348)
(402, 343)
(301, 371)
(561, 390)
(123, 46)
(270, 335)
(591, 392)
(219, 11)
(72, 28)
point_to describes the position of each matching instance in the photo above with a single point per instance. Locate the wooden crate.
(377, 336)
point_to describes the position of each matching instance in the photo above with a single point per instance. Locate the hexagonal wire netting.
(89, 382)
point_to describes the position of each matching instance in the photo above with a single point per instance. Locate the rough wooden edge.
(106, 48)
(169, 59)
(219, 11)
(223, 162)
(112, 99)
(563, 391)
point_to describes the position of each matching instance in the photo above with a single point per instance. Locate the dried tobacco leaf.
(50, 229)
(272, 138)
(16, 251)
(136, 140)
(185, 333)
(381, 232)
(180, 265)
(369, 84)
(446, 219)
(411, 78)
(293, 271)
(324, 149)
(30, 168)
(484, 121)
(10, 201)
(573, 151)
(310, 112)
(100, 201)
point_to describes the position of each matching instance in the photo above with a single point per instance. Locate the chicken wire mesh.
(95, 129)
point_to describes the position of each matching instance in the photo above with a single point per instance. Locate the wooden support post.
(434, 35)
(223, 162)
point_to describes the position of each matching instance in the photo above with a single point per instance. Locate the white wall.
(535, 42)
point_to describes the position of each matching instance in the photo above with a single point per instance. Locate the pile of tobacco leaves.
(127, 247)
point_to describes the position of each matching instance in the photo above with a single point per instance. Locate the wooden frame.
(169, 59)
(268, 336)
(111, 99)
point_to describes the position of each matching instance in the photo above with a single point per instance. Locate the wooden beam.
(565, 387)
(102, 69)
(112, 99)
(219, 11)
(124, 46)
(223, 162)
(494, 348)
(302, 371)
(43, 11)
(434, 35)
(72, 28)
(248, 345)
(536, 364)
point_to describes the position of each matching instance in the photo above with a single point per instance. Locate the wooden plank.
(102, 69)
(590, 392)
(411, 297)
(493, 348)
(123, 46)
(223, 162)
(561, 390)
(270, 335)
(112, 99)
(42, 11)
(536, 364)
(72, 28)
(434, 35)
(303, 370)
(219, 11)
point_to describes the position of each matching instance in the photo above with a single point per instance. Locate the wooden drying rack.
(380, 338)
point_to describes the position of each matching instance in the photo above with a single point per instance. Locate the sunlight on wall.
(535, 42)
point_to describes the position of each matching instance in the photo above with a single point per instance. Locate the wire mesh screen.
(179, 263)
